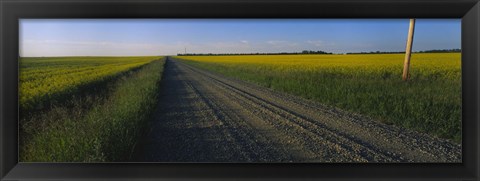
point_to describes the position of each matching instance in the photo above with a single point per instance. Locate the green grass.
(367, 84)
(96, 128)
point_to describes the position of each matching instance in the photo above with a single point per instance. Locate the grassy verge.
(96, 129)
(368, 84)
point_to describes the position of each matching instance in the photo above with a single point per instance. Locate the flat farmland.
(45, 79)
(85, 109)
(368, 84)
(205, 116)
(282, 108)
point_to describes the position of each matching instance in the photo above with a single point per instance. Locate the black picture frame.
(11, 11)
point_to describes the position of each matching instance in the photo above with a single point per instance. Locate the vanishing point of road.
(206, 117)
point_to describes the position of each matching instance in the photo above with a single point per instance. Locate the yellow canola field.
(424, 64)
(49, 78)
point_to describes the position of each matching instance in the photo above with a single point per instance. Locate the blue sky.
(171, 36)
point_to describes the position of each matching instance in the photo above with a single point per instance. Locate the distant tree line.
(441, 51)
(280, 53)
(374, 52)
(318, 52)
(402, 52)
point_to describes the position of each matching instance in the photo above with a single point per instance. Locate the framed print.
(322, 90)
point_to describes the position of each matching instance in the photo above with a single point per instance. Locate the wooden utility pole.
(408, 51)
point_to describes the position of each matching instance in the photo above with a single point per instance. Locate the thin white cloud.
(317, 43)
(89, 43)
(282, 44)
(277, 42)
(78, 48)
(104, 48)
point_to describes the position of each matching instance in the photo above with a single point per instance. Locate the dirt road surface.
(205, 117)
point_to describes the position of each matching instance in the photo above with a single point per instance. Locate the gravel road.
(205, 117)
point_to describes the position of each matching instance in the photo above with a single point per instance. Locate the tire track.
(315, 132)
